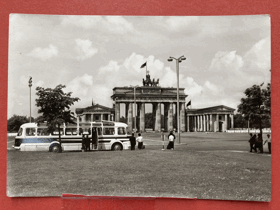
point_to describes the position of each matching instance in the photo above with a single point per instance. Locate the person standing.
(87, 143)
(94, 138)
(252, 142)
(83, 143)
(139, 139)
(171, 138)
(132, 141)
(268, 140)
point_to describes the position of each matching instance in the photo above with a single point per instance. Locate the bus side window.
(121, 131)
(80, 131)
(42, 132)
(99, 131)
(55, 132)
(74, 131)
(30, 131)
(68, 131)
(108, 131)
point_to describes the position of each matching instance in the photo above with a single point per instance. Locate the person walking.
(252, 142)
(139, 139)
(171, 138)
(268, 140)
(132, 141)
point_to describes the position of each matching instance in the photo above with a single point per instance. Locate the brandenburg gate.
(150, 93)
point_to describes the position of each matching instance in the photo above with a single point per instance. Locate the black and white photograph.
(139, 106)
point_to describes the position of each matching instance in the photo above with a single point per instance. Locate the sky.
(93, 54)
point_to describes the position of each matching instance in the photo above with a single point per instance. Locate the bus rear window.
(19, 132)
(121, 131)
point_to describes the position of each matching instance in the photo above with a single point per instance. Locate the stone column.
(211, 123)
(129, 117)
(183, 118)
(158, 118)
(142, 117)
(188, 123)
(170, 117)
(126, 111)
(232, 121)
(226, 123)
(165, 115)
(91, 117)
(101, 116)
(154, 110)
(138, 116)
(204, 123)
(201, 123)
(207, 123)
(198, 123)
(195, 128)
(217, 122)
(117, 112)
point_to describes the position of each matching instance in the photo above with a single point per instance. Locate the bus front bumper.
(16, 147)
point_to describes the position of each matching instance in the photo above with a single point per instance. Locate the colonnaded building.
(164, 110)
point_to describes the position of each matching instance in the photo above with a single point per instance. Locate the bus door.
(94, 138)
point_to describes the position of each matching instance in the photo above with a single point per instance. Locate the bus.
(34, 137)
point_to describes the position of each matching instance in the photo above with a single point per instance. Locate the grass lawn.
(204, 166)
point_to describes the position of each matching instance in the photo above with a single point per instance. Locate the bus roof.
(97, 123)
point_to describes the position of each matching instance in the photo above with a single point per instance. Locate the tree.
(16, 121)
(256, 106)
(239, 121)
(54, 104)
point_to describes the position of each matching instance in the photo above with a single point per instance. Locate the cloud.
(86, 22)
(84, 49)
(177, 22)
(44, 53)
(80, 85)
(226, 59)
(112, 66)
(114, 24)
(40, 83)
(259, 55)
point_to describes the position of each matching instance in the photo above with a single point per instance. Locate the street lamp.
(134, 87)
(30, 85)
(178, 60)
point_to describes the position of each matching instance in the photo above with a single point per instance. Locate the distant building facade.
(211, 119)
(95, 112)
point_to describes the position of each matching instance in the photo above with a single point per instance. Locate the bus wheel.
(117, 147)
(55, 148)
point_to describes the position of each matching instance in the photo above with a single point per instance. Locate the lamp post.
(178, 60)
(30, 85)
(134, 87)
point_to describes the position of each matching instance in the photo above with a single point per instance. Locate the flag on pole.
(188, 104)
(92, 102)
(143, 65)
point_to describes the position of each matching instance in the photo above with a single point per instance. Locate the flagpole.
(146, 68)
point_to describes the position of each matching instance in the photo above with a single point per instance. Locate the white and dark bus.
(111, 136)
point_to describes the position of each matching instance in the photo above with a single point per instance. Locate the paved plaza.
(204, 166)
